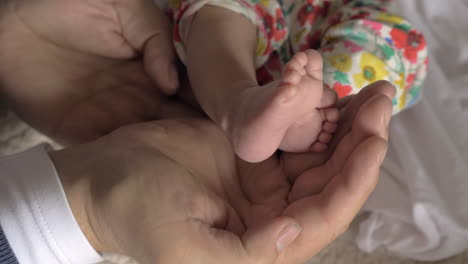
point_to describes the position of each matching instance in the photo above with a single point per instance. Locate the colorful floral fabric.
(361, 41)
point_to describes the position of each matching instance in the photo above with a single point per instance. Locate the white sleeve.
(35, 215)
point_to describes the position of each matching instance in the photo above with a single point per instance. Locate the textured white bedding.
(418, 209)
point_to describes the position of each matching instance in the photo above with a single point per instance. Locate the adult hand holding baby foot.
(293, 114)
(76, 70)
(153, 192)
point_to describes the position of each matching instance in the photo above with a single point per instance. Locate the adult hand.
(173, 192)
(295, 164)
(78, 69)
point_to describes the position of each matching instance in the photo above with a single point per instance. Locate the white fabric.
(35, 215)
(419, 208)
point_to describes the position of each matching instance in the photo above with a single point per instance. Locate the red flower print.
(308, 13)
(279, 28)
(170, 13)
(342, 90)
(410, 80)
(274, 62)
(360, 15)
(260, 11)
(426, 63)
(399, 37)
(375, 26)
(273, 26)
(313, 41)
(335, 19)
(267, 28)
(246, 3)
(176, 32)
(353, 47)
(263, 76)
(411, 42)
(326, 8)
(327, 49)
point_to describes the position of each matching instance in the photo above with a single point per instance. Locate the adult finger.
(265, 243)
(202, 243)
(323, 217)
(148, 30)
(297, 163)
(371, 120)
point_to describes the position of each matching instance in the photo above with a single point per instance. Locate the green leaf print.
(415, 90)
(359, 37)
(341, 77)
(404, 27)
(290, 9)
(388, 51)
(284, 54)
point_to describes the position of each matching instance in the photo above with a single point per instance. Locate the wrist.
(79, 196)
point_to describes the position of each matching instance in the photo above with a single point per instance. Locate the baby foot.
(350, 108)
(290, 114)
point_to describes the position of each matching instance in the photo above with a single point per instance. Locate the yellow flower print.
(175, 4)
(265, 3)
(402, 100)
(372, 69)
(261, 47)
(298, 36)
(341, 62)
(401, 82)
(390, 18)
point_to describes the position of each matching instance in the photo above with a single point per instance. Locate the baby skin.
(294, 114)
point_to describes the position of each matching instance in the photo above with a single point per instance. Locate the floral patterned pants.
(360, 41)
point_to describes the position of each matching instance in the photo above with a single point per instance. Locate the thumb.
(148, 30)
(265, 242)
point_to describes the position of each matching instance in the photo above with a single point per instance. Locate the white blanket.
(420, 207)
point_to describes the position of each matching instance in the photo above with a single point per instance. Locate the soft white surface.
(35, 215)
(419, 207)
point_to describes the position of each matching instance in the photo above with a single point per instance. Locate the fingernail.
(287, 236)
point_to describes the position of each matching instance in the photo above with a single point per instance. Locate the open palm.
(189, 200)
(323, 192)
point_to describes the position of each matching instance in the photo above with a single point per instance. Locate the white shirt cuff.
(35, 215)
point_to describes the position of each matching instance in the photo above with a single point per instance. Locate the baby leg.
(220, 56)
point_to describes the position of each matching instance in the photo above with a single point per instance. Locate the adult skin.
(152, 192)
(76, 70)
(78, 81)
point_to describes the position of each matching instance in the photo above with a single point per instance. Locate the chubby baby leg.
(220, 54)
